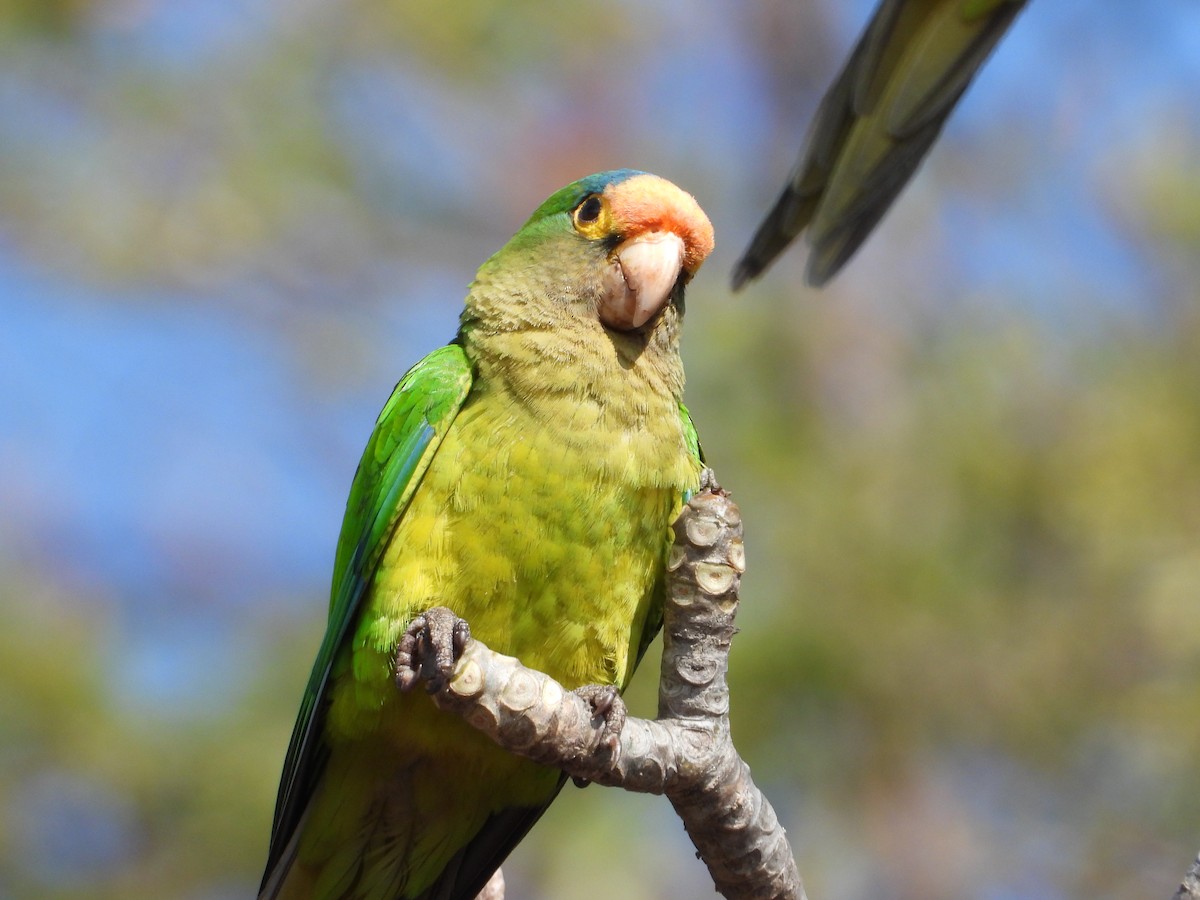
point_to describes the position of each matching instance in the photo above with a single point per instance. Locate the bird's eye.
(588, 211)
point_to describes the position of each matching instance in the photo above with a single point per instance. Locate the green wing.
(693, 440)
(406, 436)
(875, 124)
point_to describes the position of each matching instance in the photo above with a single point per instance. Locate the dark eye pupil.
(589, 210)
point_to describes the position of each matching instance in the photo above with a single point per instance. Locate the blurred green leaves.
(46, 18)
(970, 644)
(105, 798)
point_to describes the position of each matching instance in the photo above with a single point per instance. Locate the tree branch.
(687, 753)
(1189, 888)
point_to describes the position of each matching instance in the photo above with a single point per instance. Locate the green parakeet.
(525, 476)
(875, 125)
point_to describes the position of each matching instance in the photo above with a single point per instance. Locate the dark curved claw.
(429, 649)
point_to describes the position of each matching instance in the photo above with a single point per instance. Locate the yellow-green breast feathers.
(526, 477)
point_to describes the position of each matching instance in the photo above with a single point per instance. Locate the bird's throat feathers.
(574, 309)
(531, 329)
(543, 352)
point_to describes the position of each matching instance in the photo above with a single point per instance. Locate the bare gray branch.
(687, 753)
(1189, 888)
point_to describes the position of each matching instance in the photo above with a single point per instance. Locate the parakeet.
(875, 125)
(525, 476)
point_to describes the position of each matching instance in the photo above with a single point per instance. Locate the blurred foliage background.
(969, 663)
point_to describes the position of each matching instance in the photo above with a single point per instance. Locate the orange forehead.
(647, 203)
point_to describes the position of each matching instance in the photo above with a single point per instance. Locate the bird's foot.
(708, 482)
(608, 714)
(429, 648)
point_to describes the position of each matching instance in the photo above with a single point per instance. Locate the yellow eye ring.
(590, 217)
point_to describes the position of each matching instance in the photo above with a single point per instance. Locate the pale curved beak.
(639, 280)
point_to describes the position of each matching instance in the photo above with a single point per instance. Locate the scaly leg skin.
(708, 482)
(609, 708)
(429, 648)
